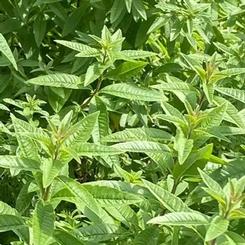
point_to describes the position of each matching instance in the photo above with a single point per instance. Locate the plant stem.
(86, 102)
(175, 240)
(46, 193)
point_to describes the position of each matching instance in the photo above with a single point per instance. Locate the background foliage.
(122, 122)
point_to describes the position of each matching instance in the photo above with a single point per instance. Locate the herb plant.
(122, 122)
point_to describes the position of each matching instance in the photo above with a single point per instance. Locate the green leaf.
(85, 200)
(166, 198)
(81, 131)
(64, 238)
(42, 223)
(126, 70)
(84, 50)
(28, 148)
(142, 146)
(175, 86)
(50, 170)
(149, 235)
(231, 238)
(39, 29)
(10, 219)
(4, 48)
(214, 188)
(135, 54)
(227, 73)
(128, 4)
(183, 146)
(13, 162)
(132, 92)
(117, 10)
(194, 66)
(203, 153)
(101, 128)
(232, 92)
(145, 134)
(232, 114)
(181, 219)
(101, 232)
(94, 72)
(208, 90)
(4, 107)
(107, 196)
(59, 80)
(89, 149)
(214, 117)
(138, 6)
(10, 222)
(217, 227)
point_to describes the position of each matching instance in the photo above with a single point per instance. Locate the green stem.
(86, 102)
(175, 240)
(100, 80)
(46, 193)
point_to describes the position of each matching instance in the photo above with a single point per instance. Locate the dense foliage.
(122, 122)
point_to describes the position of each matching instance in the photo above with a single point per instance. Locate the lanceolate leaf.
(181, 219)
(10, 222)
(28, 148)
(64, 238)
(13, 162)
(85, 200)
(60, 80)
(127, 70)
(232, 92)
(107, 196)
(84, 50)
(227, 73)
(42, 223)
(4, 48)
(213, 187)
(82, 130)
(175, 86)
(132, 92)
(142, 146)
(217, 227)
(132, 134)
(183, 146)
(232, 114)
(166, 198)
(94, 72)
(10, 219)
(135, 54)
(100, 231)
(89, 149)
